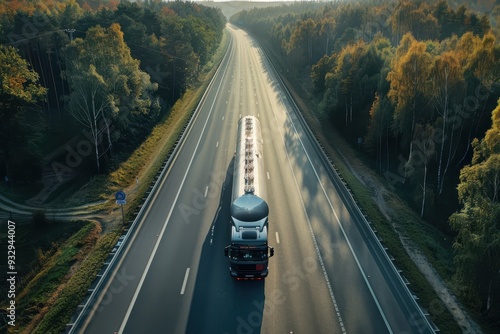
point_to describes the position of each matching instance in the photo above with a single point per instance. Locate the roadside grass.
(70, 295)
(34, 245)
(52, 297)
(53, 263)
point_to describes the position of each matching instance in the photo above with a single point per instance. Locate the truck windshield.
(248, 254)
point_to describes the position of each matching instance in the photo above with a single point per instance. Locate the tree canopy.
(478, 224)
(137, 58)
(20, 130)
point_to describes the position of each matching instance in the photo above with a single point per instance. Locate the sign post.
(120, 199)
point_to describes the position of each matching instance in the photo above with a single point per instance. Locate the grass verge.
(72, 293)
(32, 301)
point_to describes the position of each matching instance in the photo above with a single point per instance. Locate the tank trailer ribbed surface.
(249, 252)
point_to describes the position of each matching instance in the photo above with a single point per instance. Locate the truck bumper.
(248, 275)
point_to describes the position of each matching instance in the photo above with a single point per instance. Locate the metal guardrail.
(84, 310)
(337, 179)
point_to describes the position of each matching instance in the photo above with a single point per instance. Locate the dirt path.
(8, 208)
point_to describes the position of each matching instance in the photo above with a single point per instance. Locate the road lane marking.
(212, 234)
(206, 191)
(344, 233)
(318, 253)
(186, 276)
(155, 249)
(213, 226)
(268, 177)
(217, 145)
(277, 237)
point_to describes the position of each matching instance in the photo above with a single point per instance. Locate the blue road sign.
(120, 196)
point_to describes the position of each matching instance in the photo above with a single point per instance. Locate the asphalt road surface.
(328, 274)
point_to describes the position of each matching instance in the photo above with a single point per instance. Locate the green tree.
(328, 30)
(107, 84)
(70, 14)
(477, 244)
(20, 130)
(302, 39)
(381, 115)
(175, 45)
(319, 71)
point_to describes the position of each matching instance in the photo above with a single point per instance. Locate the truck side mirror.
(226, 251)
(271, 251)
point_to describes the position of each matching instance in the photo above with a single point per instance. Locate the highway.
(328, 274)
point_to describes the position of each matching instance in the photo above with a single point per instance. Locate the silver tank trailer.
(249, 251)
(249, 207)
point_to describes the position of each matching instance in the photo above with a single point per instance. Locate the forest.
(108, 70)
(414, 85)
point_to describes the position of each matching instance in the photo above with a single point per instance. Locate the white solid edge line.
(186, 276)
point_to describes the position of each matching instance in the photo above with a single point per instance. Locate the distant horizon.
(260, 0)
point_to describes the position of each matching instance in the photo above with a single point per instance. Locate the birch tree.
(107, 86)
(446, 82)
(346, 72)
(408, 78)
(423, 155)
(88, 101)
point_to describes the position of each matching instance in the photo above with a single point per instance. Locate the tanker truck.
(249, 252)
